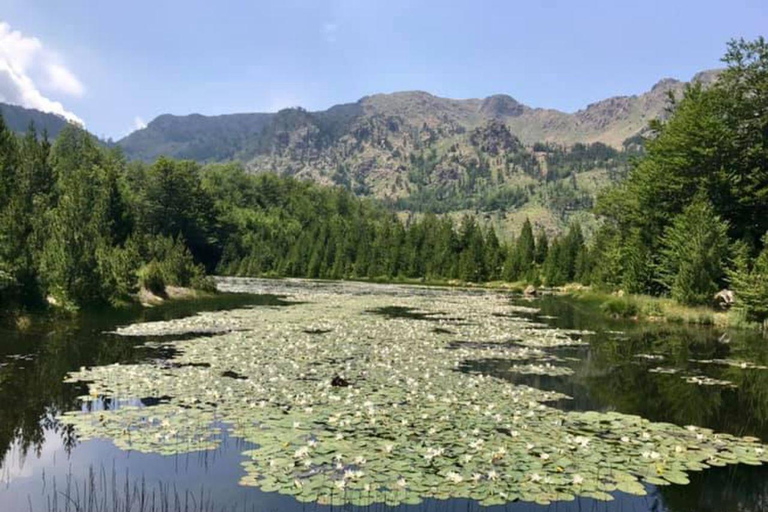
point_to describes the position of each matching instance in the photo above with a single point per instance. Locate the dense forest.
(82, 226)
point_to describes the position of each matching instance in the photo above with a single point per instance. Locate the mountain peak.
(501, 105)
(665, 84)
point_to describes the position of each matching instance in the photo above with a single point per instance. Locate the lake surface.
(560, 355)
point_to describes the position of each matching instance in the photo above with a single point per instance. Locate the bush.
(119, 267)
(152, 278)
(176, 263)
(621, 307)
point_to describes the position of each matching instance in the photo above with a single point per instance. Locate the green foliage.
(152, 277)
(702, 182)
(521, 259)
(621, 307)
(693, 254)
(749, 281)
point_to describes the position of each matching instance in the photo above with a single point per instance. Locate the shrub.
(621, 307)
(152, 278)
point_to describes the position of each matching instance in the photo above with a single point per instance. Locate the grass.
(659, 309)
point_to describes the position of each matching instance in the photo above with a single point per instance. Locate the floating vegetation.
(650, 357)
(734, 363)
(702, 380)
(541, 369)
(407, 425)
(699, 380)
(664, 370)
(200, 324)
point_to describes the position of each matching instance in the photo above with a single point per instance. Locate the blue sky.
(115, 64)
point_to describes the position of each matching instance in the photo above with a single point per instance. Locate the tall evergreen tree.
(694, 252)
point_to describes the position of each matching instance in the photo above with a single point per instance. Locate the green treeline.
(81, 227)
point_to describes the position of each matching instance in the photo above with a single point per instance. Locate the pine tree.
(542, 247)
(693, 254)
(525, 251)
(749, 281)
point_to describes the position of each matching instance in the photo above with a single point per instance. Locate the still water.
(43, 465)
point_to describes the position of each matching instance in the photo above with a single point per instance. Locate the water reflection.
(33, 364)
(612, 373)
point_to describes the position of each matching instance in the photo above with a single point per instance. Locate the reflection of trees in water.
(619, 379)
(32, 391)
(735, 488)
(612, 377)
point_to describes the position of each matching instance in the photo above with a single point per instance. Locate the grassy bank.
(659, 309)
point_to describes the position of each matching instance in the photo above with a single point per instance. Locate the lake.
(300, 395)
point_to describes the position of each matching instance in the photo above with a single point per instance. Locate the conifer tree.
(749, 281)
(693, 253)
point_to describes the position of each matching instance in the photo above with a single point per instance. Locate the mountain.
(244, 136)
(494, 156)
(18, 120)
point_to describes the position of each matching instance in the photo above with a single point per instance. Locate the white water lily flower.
(653, 455)
(535, 477)
(360, 460)
(493, 475)
(340, 484)
(544, 456)
(578, 479)
(401, 483)
(454, 477)
(581, 440)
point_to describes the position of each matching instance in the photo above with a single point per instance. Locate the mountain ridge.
(610, 121)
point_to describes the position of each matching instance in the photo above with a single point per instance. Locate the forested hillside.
(421, 153)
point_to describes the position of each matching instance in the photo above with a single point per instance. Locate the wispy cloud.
(26, 66)
(138, 123)
(329, 32)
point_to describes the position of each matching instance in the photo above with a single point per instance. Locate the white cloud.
(329, 32)
(63, 80)
(25, 66)
(138, 123)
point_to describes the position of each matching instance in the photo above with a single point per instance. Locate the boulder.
(725, 298)
(530, 291)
